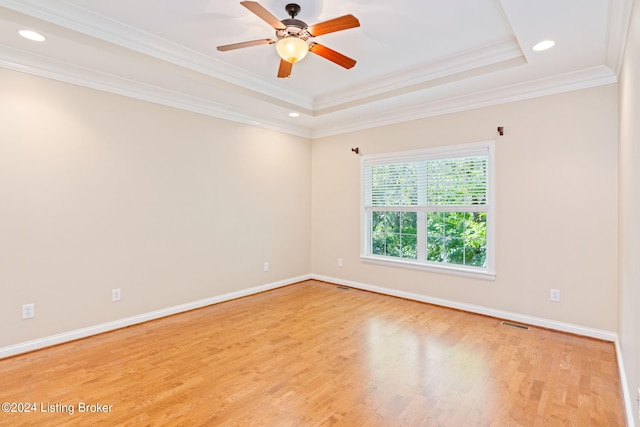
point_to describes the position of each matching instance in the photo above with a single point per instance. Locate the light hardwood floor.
(312, 354)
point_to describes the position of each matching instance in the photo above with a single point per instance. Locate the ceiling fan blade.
(332, 55)
(263, 14)
(332, 25)
(233, 46)
(285, 69)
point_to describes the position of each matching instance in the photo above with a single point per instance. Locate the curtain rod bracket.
(356, 150)
(501, 130)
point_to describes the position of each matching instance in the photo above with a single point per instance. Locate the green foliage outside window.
(395, 234)
(457, 238)
(452, 237)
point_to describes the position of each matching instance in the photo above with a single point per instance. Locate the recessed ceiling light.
(294, 114)
(32, 35)
(544, 45)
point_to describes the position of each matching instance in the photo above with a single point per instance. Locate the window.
(431, 209)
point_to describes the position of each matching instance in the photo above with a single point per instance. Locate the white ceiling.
(415, 58)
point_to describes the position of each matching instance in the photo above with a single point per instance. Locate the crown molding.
(582, 79)
(356, 108)
(619, 20)
(103, 28)
(502, 51)
(86, 22)
(94, 79)
(83, 76)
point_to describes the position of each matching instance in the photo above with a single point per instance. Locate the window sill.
(445, 269)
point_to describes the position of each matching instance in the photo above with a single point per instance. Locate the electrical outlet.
(555, 295)
(28, 311)
(266, 266)
(339, 262)
(638, 400)
(116, 294)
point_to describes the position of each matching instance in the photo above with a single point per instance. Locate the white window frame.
(484, 147)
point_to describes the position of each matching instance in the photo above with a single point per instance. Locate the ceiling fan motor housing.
(295, 28)
(294, 23)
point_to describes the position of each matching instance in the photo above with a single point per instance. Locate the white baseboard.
(628, 402)
(39, 343)
(506, 315)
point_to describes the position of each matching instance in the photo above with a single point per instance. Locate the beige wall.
(99, 191)
(629, 317)
(556, 170)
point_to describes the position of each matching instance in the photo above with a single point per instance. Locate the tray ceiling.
(415, 59)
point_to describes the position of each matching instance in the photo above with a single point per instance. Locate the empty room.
(347, 213)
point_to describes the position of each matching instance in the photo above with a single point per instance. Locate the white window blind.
(456, 182)
(460, 181)
(392, 184)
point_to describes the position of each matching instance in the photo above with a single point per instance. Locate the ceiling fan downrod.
(292, 10)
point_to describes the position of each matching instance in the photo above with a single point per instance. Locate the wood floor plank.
(313, 355)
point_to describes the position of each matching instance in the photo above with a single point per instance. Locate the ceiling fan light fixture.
(293, 37)
(292, 49)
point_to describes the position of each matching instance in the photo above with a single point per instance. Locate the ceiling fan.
(292, 37)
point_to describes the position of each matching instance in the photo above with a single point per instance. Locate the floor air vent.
(343, 288)
(516, 325)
